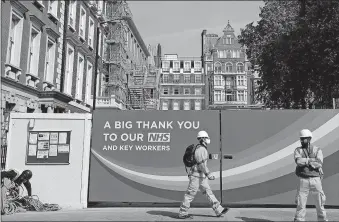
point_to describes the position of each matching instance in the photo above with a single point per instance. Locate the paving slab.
(166, 214)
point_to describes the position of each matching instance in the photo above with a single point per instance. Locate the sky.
(177, 25)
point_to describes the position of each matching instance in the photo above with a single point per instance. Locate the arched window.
(217, 68)
(240, 67)
(229, 67)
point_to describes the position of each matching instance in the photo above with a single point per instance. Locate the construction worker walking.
(198, 178)
(309, 160)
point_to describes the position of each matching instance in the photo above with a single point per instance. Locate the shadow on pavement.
(253, 219)
(172, 214)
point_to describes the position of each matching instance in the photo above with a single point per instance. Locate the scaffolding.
(143, 88)
(131, 84)
(116, 50)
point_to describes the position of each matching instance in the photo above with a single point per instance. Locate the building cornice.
(52, 33)
(55, 95)
(137, 35)
(36, 21)
(19, 6)
(19, 86)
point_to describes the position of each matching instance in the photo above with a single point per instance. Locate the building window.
(238, 53)
(242, 81)
(229, 67)
(234, 54)
(175, 105)
(176, 78)
(165, 91)
(15, 39)
(50, 58)
(187, 78)
(165, 78)
(222, 54)
(187, 66)
(34, 50)
(217, 96)
(104, 48)
(197, 91)
(91, 33)
(217, 68)
(228, 40)
(80, 77)
(197, 78)
(165, 66)
(187, 91)
(241, 96)
(240, 67)
(176, 91)
(53, 8)
(72, 13)
(231, 97)
(197, 66)
(69, 70)
(164, 105)
(176, 66)
(229, 54)
(218, 80)
(187, 105)
(82, 23)
(229, 82)
(100, 43)
(100, 4)
(197, 105)
(209, 67)
(89, 79)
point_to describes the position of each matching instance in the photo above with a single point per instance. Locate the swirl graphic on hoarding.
(268, 175)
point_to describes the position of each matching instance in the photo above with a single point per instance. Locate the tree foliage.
(296, 47)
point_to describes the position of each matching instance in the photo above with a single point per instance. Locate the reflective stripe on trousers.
(194, 184)
(313, 185)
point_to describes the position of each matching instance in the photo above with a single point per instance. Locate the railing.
(109, 102)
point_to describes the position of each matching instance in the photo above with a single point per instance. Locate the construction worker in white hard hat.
(309, 160)
(198, 178)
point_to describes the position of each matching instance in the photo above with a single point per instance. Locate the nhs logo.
(159, 137)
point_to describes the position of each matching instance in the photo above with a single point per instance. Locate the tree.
(296, 46)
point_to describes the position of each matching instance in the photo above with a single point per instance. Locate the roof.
(137, 35)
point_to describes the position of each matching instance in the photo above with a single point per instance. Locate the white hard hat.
(305, 133)
(202, 134)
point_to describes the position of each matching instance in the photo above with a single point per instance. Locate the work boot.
(185, 216)
(224, 211)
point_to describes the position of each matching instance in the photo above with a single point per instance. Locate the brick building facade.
(228, 76)
(182, 83)
(40, 73)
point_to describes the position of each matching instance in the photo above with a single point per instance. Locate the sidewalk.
(166, 214)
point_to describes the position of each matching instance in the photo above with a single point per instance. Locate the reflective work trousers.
(313, 185)
(194, 184)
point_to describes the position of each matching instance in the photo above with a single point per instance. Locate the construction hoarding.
(137, 156)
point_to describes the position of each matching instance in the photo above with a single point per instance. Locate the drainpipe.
(64, 47)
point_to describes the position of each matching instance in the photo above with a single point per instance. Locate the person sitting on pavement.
(13, 179)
